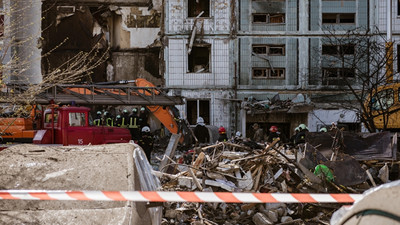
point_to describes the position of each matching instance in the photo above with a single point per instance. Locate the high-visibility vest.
(134, 125)
(110, 122)
(123, 123)
(96, 122)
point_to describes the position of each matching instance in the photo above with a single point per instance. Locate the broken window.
(199, 59)
(272, 18)
(334, 76)
(195, 7)
(198, 108)
(268, 73)
(338, 18)
(347, 49)
(398, 57)
(269, 49)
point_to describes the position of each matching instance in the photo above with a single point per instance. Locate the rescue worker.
(293, 137)
(125, 118)
(108, 118)
(301, 136)
(323, 129)
(237, 138)
(146, 142)
(273, 134)
(258, 133)
(222, 134)
(201, 131)
(118, 121)
(143, 117)
(98, 120)
(134, 126)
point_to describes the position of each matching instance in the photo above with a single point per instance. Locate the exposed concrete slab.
(376, 207)
(102, 167)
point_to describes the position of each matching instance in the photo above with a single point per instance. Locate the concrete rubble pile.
(245, 166)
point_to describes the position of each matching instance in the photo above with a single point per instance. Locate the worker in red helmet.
(222, 134)
(274, 134)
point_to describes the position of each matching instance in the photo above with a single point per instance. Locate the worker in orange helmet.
(222, 134)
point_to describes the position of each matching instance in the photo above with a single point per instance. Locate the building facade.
(282, 49)
(261, 55)
(199, 54)
(236, 62)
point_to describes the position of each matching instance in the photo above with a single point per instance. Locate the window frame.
(268, 48)
(198, 108)
(191, 8)
(339, 49)
(337, 18)
(340, 74)
(192, 60)
(268, 18)
(267, 73)
(79, 121)
(398, 8)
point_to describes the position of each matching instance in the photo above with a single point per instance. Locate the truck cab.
(70, 125)
(384, 106)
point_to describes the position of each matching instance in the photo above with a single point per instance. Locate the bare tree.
(354, 61)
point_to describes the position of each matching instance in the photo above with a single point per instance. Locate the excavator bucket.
(161, 113)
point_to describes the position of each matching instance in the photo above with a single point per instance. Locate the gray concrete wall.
(21, 37)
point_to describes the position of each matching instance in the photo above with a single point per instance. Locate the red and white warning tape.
(161, 196)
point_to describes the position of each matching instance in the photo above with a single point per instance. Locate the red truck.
(71, 125)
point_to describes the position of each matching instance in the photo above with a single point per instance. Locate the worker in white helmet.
(201, 131)
(146, 141)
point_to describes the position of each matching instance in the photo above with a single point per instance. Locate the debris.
(270, 168)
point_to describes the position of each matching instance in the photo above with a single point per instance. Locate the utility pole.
(389, 43)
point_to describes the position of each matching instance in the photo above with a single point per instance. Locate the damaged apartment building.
(263, 61)
(127, 31)
(236, 62)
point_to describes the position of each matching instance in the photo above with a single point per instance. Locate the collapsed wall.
(116, 167)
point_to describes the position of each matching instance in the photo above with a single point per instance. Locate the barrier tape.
(162, 196)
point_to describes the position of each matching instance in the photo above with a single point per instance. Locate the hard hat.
(134, 110)
(118, 116)
(238, 134)
(303, 127)
(222, 130)
(125, 111)
(200, 121)
(142, 109)
(297, 129)
(273, 129)
(98, 112)
(105, 113)
(323, 129)
(146, 129)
